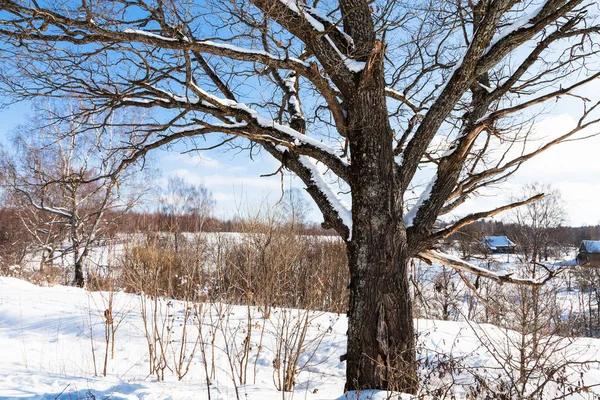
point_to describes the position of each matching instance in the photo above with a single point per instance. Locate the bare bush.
(156, 267)
(295, 349)
(276, 266)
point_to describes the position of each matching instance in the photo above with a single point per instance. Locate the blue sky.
(234, 179)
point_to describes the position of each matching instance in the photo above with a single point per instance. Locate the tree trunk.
(79, 281)
(381, 351)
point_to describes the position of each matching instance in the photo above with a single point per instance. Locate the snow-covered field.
(52, 345)
(46, 349)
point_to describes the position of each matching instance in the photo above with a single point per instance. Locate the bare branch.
(469, 219)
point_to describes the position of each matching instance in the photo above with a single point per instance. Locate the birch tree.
(52, 173)
(410, 106)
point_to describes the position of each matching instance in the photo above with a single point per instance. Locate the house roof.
(590, 246)
(498, 241)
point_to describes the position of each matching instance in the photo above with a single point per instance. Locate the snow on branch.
(242, 50)
(500, 277)
(290, 86)
(343, 210)
(317, 19)
(350, 63)
(523, 29)
(520, 23)
(44, 208)
(298, 7)
(396, 95)
(412, 213)
(221, 49)
(150, 34)
(250, 124)
(52, 210)
(170, 96)
(294, 137)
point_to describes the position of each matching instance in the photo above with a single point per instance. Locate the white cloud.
(194, 160)
(571, 167)
(221, 196)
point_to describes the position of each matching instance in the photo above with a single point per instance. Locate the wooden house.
(589, 252)
(499, 244)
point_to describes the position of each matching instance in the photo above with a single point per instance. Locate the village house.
(589, 252)
(499, 244)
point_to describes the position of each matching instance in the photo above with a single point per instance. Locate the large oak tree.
(411, 106)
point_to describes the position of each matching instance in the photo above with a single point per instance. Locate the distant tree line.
(17, 240)
(561, 236)
(156, 221)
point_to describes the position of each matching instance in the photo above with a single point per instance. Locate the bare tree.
(411, 107)
(51, 172)
(294, 207)
(534, 222)
(182, 200)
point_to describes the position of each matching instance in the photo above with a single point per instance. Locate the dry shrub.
(268, 264)
(276, 267)
(100, 282)
(49, 276)
(164, 267)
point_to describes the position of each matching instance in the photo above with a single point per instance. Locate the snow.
(324, 17)
(592, 246)
(290, 84)
(309, 14)
(374, 395)
(296, 137)
(412, 213)
(394, 92)
(487, 88)
(269, 123)
(53, 210)
(294, 6)
(344, 211)
(566, 263)
(456, 66)
(150, 34)
(141, 101)
(519, 23)
(498, 241)
(509, 270)
(251, 51)
(350, 63)
(222, 125)
(226, 46)
(173, 96)
(485, 117)
(47, 335)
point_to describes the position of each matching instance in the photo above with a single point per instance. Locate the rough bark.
(381, 351)
(341, 60)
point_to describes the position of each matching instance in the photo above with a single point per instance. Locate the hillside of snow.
(53, 345)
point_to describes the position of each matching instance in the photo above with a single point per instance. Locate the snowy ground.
(46, 349)
(47, 335)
